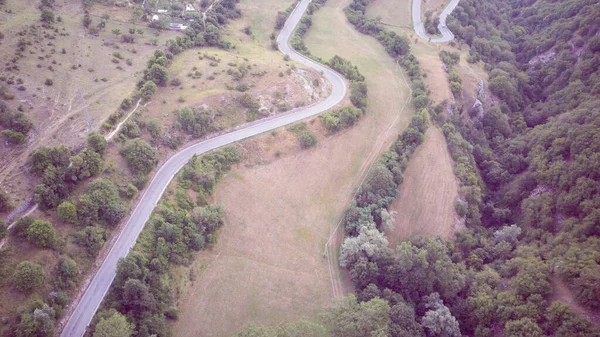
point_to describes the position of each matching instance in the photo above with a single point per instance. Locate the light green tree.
(41, 233)
(114, 326)
(67, 212)
(28, 276)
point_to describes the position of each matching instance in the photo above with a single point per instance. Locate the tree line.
(141, 298)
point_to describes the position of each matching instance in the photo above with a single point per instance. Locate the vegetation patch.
(142, 290)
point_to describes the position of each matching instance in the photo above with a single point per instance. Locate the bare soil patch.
(425, 203)
(282, 202)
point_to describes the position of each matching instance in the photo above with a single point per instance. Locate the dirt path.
(114, 132)
(563, 294)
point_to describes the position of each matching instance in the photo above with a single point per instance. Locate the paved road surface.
(447, 35)
(100, 284)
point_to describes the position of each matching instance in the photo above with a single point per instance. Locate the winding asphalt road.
(100, 284)
(447, 35)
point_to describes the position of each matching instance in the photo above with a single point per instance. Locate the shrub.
(148, 90)
(67, 212)
(20, 227)
(42, 234)
(28, 276)
(307, 138)
(141, 157)
(48, 82)
(97, 143)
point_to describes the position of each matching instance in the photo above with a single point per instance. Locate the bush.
(141, 157)
(67, 212)
(307, 138)
(358, 94)
(28, 276)
(148, 90)
(48, 82)
(20, 227)
(97, 143)
(128, 191)
(92, 238)
(42, 234)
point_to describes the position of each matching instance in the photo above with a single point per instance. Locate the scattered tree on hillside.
(28, 276)
(141, 156)
(114, 326)
(42, 234)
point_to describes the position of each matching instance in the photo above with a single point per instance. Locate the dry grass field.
(282, 203)
(431, 64)
(425, 204)
(392, 12)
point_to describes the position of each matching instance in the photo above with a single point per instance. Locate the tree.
(158, 74)
(97, 143)
(403, 323)
(42, 234)
(350, 318)
(67, 271)
(52, 188)
(114, 326)
(508, 234)
(67, 212)
(40, 323)
(85, 164)
(28, 276)
(524, 327)
(148, 90)
(369, 243)
(140, 156)
(438, 320)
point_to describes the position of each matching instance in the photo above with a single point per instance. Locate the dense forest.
(528, 171)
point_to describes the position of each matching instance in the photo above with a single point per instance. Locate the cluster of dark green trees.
(15, 124)
(537, 149)
(60, 170)
(141, 298)
(529, 195)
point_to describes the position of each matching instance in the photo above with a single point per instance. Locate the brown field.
(396, 13)
(432, 67)
(425, 204)
(57, 111)
(282, 203)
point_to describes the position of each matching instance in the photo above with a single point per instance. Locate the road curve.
(100, 284)
(447, 35)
